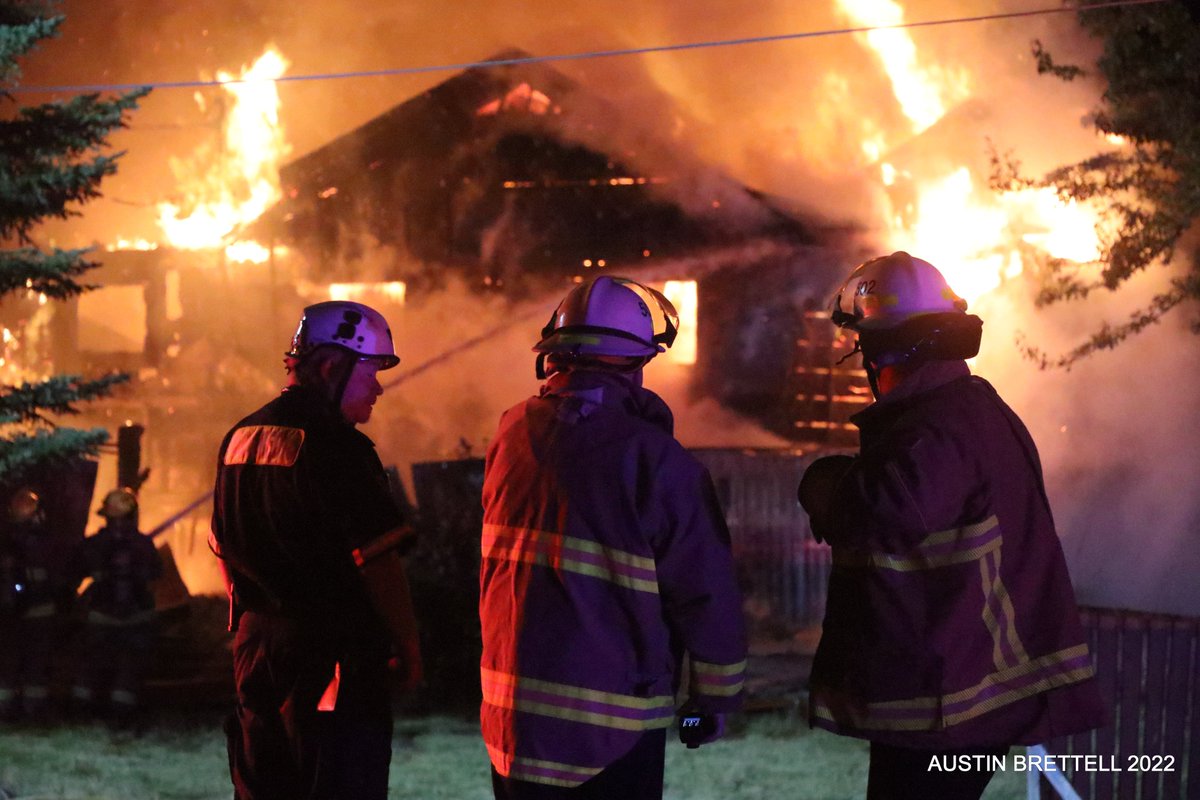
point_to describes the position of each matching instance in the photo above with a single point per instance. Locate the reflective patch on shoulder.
(265, 445)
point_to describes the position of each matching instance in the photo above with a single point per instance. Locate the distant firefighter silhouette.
(28, 607)
(118, 611)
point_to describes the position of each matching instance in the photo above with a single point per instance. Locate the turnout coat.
(605, 557)
(951, 621)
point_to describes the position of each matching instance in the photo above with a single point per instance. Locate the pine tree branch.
(29, 402)
(22, 25)
(43, 170)
(52, 274)
(65, 129)
(22, 453)
(50, 159)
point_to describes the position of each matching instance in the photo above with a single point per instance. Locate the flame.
(682, 295)
(976, 237)
(131, 244)
(923, 93)
(243, 181)
(1068, 230)
(394, 291)
(954, 231)
(249, 252)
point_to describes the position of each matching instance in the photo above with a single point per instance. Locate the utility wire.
(666, 48)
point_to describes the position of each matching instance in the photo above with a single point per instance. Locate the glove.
(815, 491)
(698, 728)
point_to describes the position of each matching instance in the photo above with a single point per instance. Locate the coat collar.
(592, 389)
(314, 403)
(925, 378)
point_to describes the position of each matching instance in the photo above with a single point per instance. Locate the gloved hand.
(815, 491)
(698, 728)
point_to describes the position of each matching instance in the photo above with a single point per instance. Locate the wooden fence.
(1147, 666)
(783, 571)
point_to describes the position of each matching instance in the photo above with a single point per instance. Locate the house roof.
(507, 171)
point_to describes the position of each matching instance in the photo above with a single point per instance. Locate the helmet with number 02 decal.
(903, 309)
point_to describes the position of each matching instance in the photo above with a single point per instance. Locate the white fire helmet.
(351, 326)
(611, 316)
(118, 504)
(888, 291)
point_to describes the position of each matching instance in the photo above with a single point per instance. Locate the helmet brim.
(386, 360)
(596, 343)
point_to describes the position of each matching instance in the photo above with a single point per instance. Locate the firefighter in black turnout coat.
(309, 538)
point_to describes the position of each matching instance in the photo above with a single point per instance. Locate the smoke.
(450, 406)
(1117, 436)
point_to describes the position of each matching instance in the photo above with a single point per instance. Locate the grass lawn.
(433, 758)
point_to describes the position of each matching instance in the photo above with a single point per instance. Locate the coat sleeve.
(699, 588)
(918, 479)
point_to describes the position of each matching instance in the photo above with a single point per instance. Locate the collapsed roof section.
(505, 174)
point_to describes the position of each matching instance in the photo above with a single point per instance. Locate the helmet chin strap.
(338, 379)
(872, 376)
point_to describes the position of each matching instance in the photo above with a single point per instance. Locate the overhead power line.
(665, 48)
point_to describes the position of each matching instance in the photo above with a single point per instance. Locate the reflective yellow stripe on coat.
(570, 554)
(996, 690)
(718, 680)
(576, 703)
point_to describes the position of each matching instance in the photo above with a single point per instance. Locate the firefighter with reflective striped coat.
(119, 625)
(951, 626)
(606, 565)
(29, 595)
(310, 537)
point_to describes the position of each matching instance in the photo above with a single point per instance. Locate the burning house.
(496, 188)
(516, 180)
(465, 212)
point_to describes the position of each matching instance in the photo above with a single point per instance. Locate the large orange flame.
(924, 93)
(243, 180)
(972, 234)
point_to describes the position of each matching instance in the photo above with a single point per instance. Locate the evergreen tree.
(51, 160)
(1148, 190)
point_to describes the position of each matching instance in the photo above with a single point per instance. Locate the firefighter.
(28, 608)
(605, 559)
(120, 564)
(310, 540)
(951, 627)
